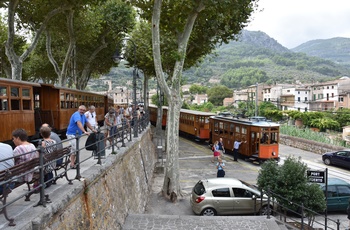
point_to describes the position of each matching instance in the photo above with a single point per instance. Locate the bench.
(17, 171)
(56, 156)
(21, 169)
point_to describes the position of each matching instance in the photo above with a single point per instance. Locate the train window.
(27, 105)
(71, 97)
(62, 104)
(226, 128)
(14, 91)
(15, 105)
(36, 101)
(216, 127)
(62, 96)
(3, 91)
(244, 130)
(25, 92)
(4, 105)
(238, 129)
(67, 96)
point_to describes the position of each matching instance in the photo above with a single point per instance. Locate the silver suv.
(225, 196)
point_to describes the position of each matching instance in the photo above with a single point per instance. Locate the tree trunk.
(171, 185)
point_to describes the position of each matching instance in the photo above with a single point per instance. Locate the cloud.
(293, 22)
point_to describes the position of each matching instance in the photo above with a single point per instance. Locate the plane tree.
(186, 29)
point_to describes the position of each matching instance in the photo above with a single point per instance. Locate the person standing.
(6, 152)
(91, 118)
(216, 151)
(111, 123)
(220, 167)
(235, 149)
(221, 145)
(76, 124)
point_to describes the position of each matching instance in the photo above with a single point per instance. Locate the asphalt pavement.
(195, 164)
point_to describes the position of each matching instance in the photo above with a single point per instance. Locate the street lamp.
(116, 58)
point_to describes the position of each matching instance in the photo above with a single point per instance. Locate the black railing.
(9, 182)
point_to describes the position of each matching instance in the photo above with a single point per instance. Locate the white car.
(226, 196)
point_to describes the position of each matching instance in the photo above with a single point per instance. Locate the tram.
(28, 105)
(259, 136)
(194, 124)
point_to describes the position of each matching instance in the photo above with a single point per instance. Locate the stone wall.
(109, 192)
(307, 145)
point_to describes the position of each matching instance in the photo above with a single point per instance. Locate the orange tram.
(28, 105)
(260, 137)
(192, 123)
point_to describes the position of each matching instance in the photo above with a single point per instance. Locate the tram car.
(194, 124)
(28, 105)
(260, 137)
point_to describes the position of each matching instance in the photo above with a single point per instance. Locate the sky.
(294, 22)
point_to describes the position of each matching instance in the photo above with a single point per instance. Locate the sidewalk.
(195, 164)
(25, 213)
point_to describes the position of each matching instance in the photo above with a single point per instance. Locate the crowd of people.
(81, 122)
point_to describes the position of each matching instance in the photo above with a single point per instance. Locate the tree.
(217, 94)
(198, 89)
(190, 29)
(35, 15)
(92, 33)
(324, 123)
(265, 107)
(289, 181)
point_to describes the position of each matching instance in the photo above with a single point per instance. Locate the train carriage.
(192, 123)
(28, 105)
(260, 137)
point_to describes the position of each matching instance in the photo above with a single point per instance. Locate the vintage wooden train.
(28, 105)
(260, 137)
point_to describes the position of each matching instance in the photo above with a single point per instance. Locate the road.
(195, 164)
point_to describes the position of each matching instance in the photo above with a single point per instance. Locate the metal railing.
(121, 135)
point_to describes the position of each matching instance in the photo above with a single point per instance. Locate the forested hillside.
(256, 57)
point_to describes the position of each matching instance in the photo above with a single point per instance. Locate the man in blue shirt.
(76, 124)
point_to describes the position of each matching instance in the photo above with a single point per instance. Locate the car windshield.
(199, 188)
(251, 186)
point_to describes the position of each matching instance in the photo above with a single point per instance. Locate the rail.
(36, 167)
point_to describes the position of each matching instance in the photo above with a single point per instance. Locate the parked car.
(225, 196)
(340, 158)
(338, 194)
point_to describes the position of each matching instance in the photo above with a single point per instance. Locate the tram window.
(274, 138)
(67, 104)
(3, 91)
(14, 92)
(216, 127)
(67, 96)
(238, 129)
(25, 92)
(232, 126)
(4, 105)
(244, 130)
(62, 96)
(26, 104)
(226, 128)
(15, 104)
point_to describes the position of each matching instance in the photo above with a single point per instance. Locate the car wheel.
(327, 161)
(209, 212)
(265, 210)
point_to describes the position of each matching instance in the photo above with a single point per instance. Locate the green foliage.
(205, 107)
(343, 117)
(324, 123)
(243, 77)
(198, 89)
(310, 135)
(290, 182)
(155, 100)
(217, 94)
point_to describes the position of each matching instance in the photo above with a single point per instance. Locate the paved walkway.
(195, 164)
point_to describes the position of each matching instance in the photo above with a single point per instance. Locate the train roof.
(8, 81)
(256, 121)
(194, 112)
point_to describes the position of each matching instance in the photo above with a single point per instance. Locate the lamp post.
(116, 58)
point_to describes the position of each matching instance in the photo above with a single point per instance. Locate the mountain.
(256, 57)
(334, 49)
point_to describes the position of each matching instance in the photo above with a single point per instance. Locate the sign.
(316, 176)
